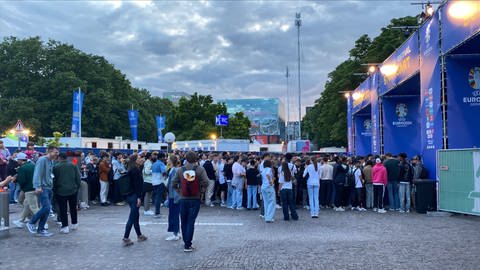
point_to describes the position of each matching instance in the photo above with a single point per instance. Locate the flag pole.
(80, 112)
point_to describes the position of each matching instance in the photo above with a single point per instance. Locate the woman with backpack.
(286, 172)
(313, 170)
(133, 199)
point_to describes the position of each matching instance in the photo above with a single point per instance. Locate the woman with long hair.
(173, 201)
(268, 191)
(313, 170)
(134, 199)
(285, 174)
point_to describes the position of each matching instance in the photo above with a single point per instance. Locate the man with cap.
(25, 181)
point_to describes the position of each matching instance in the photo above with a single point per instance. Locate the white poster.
(475, 194)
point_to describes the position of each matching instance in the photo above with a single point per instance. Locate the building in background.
(292, 131)
(267, 117)
(174, 96)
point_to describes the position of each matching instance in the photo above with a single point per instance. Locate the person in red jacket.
(379, 179)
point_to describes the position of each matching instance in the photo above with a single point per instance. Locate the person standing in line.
(359, 182)
(252, 185)
(43, 184)
(393, 173)
(313, 171)
(406, 178)
(268, 191)
(173, 201)
(159, 171)
(25, 182)
(104, 169)
(147, 184)
(4, 157)
(379, 179)
(237, 183)
(326, 183)
(339, 175)
(286, 172)
(118, 170)
(367, 173)
(66, 183)
(208, 166)
(189, 181)
(228, 173)
(222, 183)
(134, 200)
(93, 182)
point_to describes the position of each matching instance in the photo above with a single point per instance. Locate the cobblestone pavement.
(233, 239)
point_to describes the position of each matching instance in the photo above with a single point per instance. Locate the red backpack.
(190, 182)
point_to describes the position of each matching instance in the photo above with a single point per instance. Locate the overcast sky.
(229, 49)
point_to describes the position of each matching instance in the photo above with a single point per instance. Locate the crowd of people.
(61, 183)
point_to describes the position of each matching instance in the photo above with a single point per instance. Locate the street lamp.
(213, 136)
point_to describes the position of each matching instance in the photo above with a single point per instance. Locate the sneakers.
(212, 205)
(189, 249)
(279, 207)
(339, 209)
(127, 242)
(31, 228)
(401, 211)
(375, 209)
(120, 204)
(44, 233)
(65, 230)
(84, 205)
(240, 208)
(223, 205)
(157, 216)
(382, 211)
(173, 238)
(306, 207)
(74, 227)
(142, 238)
(18, 223)
(148, 213)
(362, 209)
(45, 226)
(261, 216)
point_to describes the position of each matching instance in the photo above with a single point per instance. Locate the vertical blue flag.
(160, 119)
(77, 112)
(133, 119)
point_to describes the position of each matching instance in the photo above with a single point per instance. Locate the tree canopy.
(37, 80)
(326, 123)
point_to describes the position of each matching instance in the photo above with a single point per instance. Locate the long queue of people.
(72, 181)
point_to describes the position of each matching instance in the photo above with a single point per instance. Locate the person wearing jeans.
(237, 183)
(134, 199)
(228, 173)
(286, 172)
(158, 179)
(189, 203)
(313, 170)
(367, 173)
(252, 186)
(208, 166)
(43, 184)
(406, 178)
(393, 174)
(268, 192)
(66, 184)
(173, 201)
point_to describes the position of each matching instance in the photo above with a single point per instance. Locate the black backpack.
(350, 177)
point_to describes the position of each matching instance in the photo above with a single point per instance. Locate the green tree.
(326, 123)
(238, 127)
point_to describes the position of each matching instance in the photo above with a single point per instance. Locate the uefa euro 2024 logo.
(474, 78)
(367, 124)
(401, 110)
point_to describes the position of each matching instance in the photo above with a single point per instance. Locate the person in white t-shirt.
(238, 183)
(313, 171)
(359, 186)
(268, 191)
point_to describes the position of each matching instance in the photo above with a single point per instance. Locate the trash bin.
(424, 195)
(4, 205)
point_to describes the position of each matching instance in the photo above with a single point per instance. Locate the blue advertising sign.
(349, 125)
(77, 112)
(361, 96)
(221, 120)
(363, 135)
(401, 125)
(463, 91)
(431, 118)
(461, 20)
(160, 119)
(375, 113)
(401, 65)
(133, 120)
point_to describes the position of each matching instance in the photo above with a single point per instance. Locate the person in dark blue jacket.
(133, 198)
